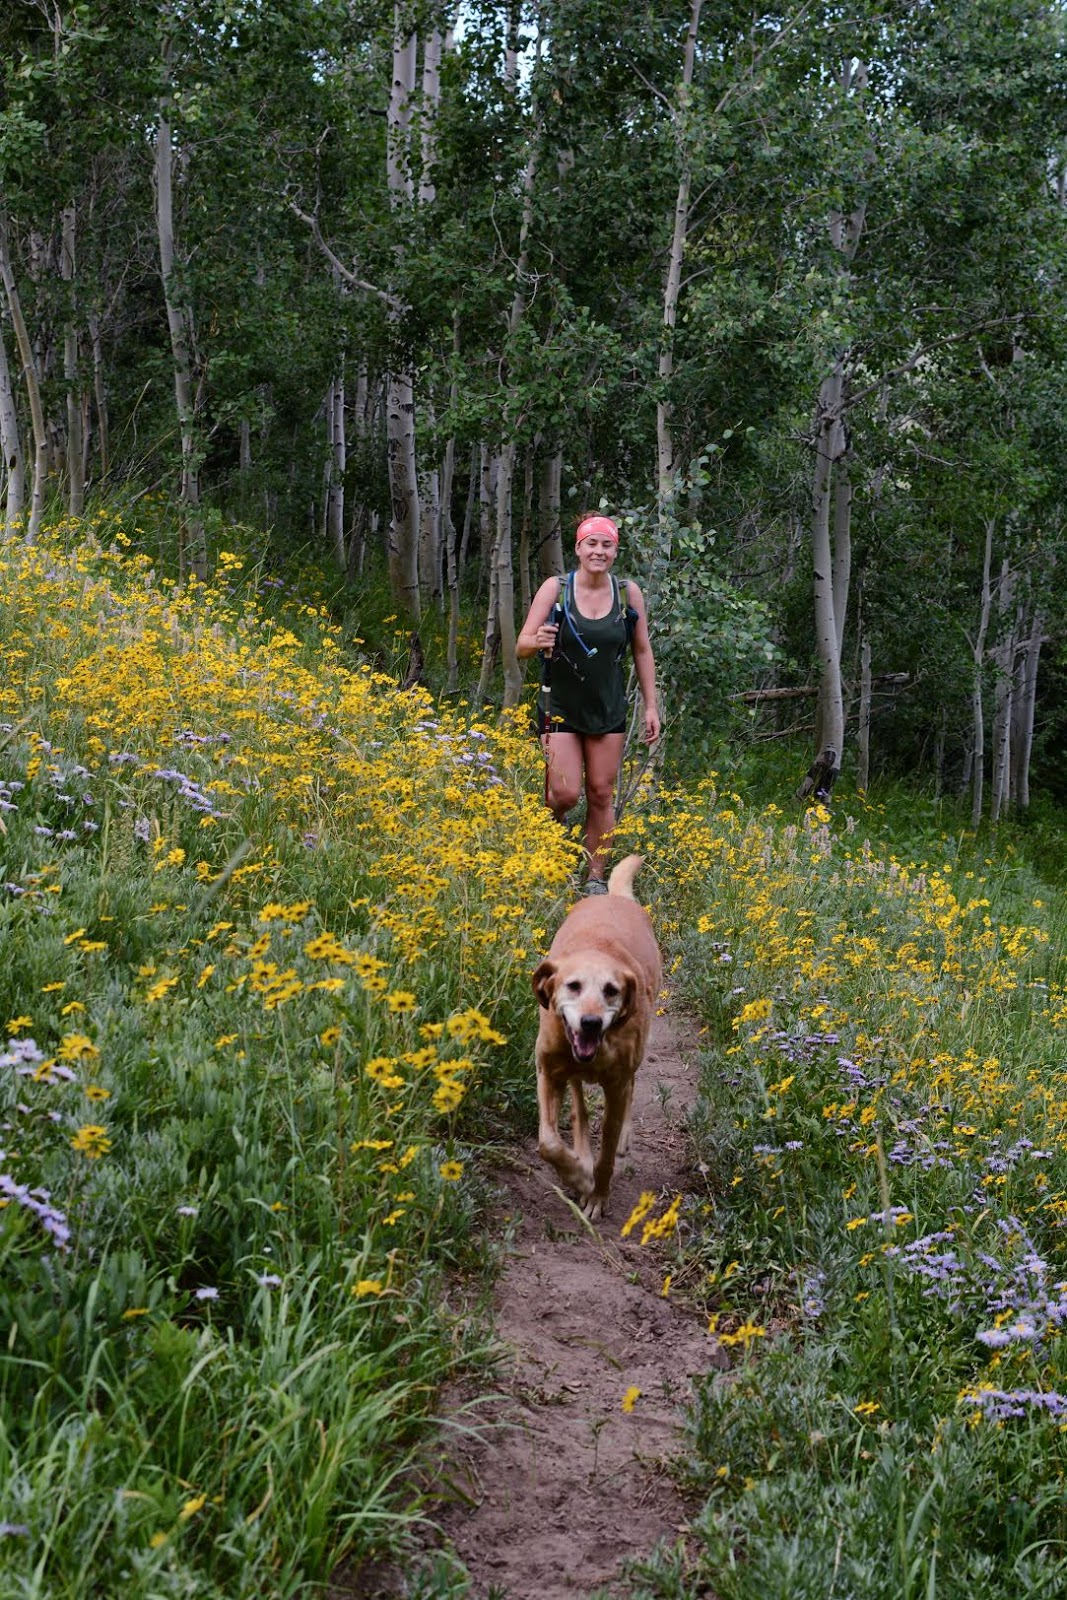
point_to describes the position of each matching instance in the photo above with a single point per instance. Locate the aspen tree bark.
(10, 442)
(525, 590)
(404, 522)
(429, 559)
(832, 495)
(978, 656)
(490, 638)
(502, 552)
(665, 466)
(505, 581)
(103, 423)
(474, 481)
(429, 562)
(337, 461)
(842, 551)
(448, 527)
(1004, 693)
(551, 560)
(487, 470)
(863, 731)
(432, 52)
(403, 531)
(830, 713)
(194, 545)
(75, 430)
(31, 382)
(1024, 702)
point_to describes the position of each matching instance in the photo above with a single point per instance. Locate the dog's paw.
(593, 1207)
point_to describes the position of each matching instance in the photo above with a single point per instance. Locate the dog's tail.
(622, 876)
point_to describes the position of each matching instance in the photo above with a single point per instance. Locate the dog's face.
(589, 995)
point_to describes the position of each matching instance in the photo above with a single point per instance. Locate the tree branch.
(350, 277)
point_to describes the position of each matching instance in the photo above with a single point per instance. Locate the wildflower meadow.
(883, 1140)
(267, 924)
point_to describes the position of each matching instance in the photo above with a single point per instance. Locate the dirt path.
(560, 1485)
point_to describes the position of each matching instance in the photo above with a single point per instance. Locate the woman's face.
(597, 552)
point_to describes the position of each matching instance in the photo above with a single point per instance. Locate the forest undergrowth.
(267, 924)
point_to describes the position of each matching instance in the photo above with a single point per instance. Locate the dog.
(597, 988)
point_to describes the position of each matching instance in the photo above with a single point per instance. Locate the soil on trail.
(547, 1486)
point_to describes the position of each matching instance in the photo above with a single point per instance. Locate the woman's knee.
(563, 792)
(600, 792)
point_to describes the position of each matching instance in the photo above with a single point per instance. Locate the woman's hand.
(652, 725)
(546, 637)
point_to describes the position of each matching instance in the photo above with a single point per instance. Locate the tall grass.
(266, 924)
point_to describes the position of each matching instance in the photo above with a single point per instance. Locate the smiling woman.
(581, 626)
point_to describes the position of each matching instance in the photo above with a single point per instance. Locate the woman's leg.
(563, 772)
(603, 757)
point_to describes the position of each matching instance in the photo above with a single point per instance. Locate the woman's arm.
(644, 664)
(537, 633)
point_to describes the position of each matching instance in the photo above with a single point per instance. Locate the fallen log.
(882, 680)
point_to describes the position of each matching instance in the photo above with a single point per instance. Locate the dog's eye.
(574, 986)
(611, 991)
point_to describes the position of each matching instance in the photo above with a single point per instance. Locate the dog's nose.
(591, 1024)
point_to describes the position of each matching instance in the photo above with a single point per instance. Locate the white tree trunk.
(830, 715)
(832, 494)
(103, 423)
(75, 430)
(10, 442)
(502, 556)
(431, 101)
(863, 732)
(179, 325)
(977, 712)
(665, 464)
(505, 580)
(474, 480)
(1004, 695)
(525, 526)
(448, 529)
(549, 528)
(1025, 701)
(487, 469)
(398, 118)
(337, 463)
(403, 534)
(30, 379)
(842, 553)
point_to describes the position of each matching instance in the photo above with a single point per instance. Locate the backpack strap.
(629, 615)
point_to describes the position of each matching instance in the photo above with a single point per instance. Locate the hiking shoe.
(596, 886)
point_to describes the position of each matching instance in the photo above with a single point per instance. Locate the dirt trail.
(560, 1485)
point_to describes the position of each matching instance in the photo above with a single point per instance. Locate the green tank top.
(587, 690)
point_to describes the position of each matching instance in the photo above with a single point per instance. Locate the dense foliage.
(421, 281)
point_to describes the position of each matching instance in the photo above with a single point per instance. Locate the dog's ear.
(628, 981)
(542, 982)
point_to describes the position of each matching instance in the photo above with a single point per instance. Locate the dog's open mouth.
(585, 1039)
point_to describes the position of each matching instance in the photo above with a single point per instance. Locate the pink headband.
(601, 525)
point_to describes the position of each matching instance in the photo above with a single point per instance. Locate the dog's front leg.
(626, 1132)
(614, 1111)
(572, 1170)
(583, 1149)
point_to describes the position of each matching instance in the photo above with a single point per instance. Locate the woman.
(582, 624)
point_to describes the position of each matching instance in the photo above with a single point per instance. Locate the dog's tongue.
(584, 1048)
